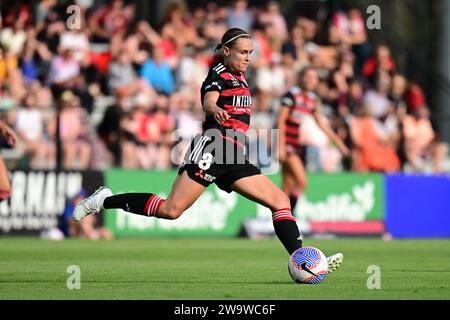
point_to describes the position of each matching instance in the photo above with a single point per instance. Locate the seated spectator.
(123, 78)
(397, 94)
(158, 73)
(73, 134)
(371, 152)
(381, 61)
(153, 133)
(415, 98)
(377, 99)
(64, 71)
(420, 141)
(350, 102)
(29, 125)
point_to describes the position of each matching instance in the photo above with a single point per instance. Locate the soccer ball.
(308, 265)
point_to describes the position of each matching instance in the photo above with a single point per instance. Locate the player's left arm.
(8, 133)
(329, 132)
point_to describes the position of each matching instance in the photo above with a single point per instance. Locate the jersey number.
(206, 161)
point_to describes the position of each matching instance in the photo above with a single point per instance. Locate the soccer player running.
(227, 103)
(11, 139)
(298, 102)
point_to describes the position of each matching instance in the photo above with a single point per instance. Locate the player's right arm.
(210, 107)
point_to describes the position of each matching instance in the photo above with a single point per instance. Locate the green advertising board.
(216, 212)
(345, 202)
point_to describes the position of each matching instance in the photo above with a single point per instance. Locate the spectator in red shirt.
(381, 61)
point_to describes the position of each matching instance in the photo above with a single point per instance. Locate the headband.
(241, 35)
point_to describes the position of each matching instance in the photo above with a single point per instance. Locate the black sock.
(146, 204)
(286, 230)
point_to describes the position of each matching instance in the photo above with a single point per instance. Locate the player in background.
(227, 104)
(297, 103)
(11, 138)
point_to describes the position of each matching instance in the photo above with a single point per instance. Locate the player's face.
(238, 56)
(310, 80)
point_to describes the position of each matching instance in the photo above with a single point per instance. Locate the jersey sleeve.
(288, 100)
(213, 82)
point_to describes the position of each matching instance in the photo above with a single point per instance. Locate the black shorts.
(217, 160)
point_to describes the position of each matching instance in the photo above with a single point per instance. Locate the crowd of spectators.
(153, 76)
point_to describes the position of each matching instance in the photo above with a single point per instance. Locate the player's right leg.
(5, 186)
(185, 192)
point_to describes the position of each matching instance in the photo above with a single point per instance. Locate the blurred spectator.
(77, 41)
(109, 20)
(63, 71)
(420, 142)
(30, 126)
(350, 102)
(270, 82)
(123, 78)
(74, 136)
(109, 128)
(158, 73)
(369, 145)
(273, 18)
(350, 29)
(381, 61)
(13, 39)
(397, 95)
(377, 99)
(239, 16)
(415, 98)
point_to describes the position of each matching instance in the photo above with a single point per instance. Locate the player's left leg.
(5, 186)
(261, 189)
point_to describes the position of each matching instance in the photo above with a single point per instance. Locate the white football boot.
(334, 261)
(92, 204)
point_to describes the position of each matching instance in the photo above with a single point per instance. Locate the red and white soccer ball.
(308, 265)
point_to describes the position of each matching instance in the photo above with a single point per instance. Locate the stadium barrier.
(336, 204)
(38, 199)
(418, 206)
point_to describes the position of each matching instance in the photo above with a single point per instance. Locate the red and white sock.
(152, 206)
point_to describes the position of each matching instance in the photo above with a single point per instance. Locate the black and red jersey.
(234, 97)
(300, 103)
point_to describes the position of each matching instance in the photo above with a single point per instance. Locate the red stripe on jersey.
(234, 141)
(292, 129)
(293, 141)
(303, 109)
(237, 109)
(236, 124)
(235, 92)
(227, 76)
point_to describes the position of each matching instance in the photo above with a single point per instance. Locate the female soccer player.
(217, 155)
(11, 139)
(297, 103)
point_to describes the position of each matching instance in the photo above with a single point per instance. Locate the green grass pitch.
(154, 268)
